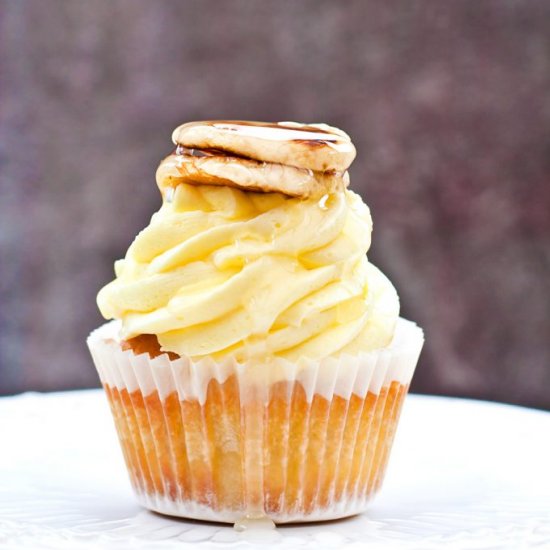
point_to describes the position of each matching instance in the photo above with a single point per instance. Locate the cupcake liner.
(220, 440)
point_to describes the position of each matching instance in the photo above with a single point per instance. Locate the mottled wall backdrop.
(447, 102)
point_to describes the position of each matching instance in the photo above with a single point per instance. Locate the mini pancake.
(218, 168)
(316, 147)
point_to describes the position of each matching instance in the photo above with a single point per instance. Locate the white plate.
(463, 474)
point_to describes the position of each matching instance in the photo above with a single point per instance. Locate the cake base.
(313, 461)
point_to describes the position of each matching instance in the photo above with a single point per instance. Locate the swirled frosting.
(225, 272)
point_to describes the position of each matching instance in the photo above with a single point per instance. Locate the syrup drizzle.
(206, 152)
(251, 522)
(281, 131)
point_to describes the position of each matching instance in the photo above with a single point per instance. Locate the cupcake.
(256, 364)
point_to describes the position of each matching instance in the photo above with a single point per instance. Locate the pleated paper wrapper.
(221, 440)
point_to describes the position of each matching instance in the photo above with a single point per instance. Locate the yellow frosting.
(220, 271)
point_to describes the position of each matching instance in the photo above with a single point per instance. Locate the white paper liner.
(330, 376)
(155, 456)
(193, 510)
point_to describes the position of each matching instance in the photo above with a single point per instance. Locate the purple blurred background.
(447, 103)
